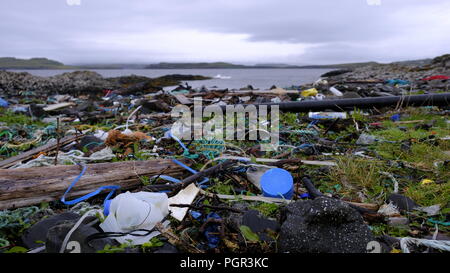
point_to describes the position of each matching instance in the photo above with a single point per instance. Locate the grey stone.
(323, 225)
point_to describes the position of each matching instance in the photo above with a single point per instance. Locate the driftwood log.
(25, 187)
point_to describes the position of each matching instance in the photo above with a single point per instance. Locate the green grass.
(356, 174)
(267, 209)
(11, 118)
(430, 194)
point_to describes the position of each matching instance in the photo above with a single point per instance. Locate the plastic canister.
(277, 183)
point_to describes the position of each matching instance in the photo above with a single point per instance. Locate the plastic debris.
(134, 211)
(309, 92)
(185, 196)
(277, 183)
(3, 103)
(336, 92)
(327, 115)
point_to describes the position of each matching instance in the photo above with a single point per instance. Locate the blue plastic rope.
(191, 170)
(179, 141)
(174, 180)
(89, 195)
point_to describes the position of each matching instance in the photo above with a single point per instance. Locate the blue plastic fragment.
(397, 81)
(304, 195)
(396, 117)
(212, 231)
(195, 214)
(3, 103)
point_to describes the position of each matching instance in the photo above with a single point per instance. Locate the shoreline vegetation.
(44, 63)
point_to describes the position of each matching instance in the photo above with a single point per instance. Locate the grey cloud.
(338, 31)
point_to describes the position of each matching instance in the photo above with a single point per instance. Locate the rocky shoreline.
(373, 80)
(389, 79)
(84, 82)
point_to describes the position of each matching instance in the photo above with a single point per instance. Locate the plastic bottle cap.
(277, 183)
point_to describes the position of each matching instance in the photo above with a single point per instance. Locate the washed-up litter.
(310, 92)
(361, 165)
(185, 196)
(327, 115)
(277, 183)
(135, 211)
(58, 106)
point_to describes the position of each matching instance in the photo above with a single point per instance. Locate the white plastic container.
(327, 115)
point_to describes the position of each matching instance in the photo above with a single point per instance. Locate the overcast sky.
(243, 31)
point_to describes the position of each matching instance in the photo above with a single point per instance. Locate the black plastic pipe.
(440, 99)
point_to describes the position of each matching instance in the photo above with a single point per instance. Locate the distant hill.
(347, 65)
(415, 62)
(34, 63)
(194, 65)
(223, 65)
(111, 66)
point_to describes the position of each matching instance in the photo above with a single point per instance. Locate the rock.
(85, 82)
(323, 225)
(335, 73)
(249, 88)
(38, 232)
(403, 203)
(150, 106)
(77, 82)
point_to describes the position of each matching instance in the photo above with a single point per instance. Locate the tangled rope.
(441, 245)
(73, 157)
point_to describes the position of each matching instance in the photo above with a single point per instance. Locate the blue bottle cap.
(277, 183)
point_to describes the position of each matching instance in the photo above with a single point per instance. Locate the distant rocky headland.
(34, 63)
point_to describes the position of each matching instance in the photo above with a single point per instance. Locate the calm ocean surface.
(225, 78)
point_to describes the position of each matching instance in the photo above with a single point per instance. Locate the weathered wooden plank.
(25, 187)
